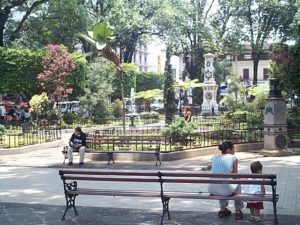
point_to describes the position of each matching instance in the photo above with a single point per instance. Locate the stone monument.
(275, 123)
(209, 105)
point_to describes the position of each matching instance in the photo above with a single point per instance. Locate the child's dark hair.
(226, 146)
(256, 167)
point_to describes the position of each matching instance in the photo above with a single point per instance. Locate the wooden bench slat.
(220, 175)
(206, 195)
(110, 172)
(111, 192)
(219, 181)
(118, 179)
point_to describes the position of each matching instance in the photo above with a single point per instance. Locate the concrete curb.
(31, 148)
(172, 156)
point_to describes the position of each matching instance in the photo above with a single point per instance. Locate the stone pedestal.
(209, 105)
(275, 124)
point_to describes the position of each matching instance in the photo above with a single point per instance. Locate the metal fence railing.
(176, 143)
(24, 135)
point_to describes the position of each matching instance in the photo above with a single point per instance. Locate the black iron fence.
(24, 134)
(178, 143)
(137, 121)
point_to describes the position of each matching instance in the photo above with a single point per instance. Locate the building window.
(245, 74)
(145, 59)
(140, 62)
(266, 73)
(229, 57)
(247, 56)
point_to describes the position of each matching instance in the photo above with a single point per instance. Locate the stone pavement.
(31, 193)
(24, 214)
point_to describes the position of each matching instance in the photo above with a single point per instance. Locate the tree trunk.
(129, 49)
(4, 14)
(169, 93)
(255, 68)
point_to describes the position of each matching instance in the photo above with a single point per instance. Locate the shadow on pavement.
(27, 214)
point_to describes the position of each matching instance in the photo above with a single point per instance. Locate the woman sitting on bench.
(226, 163)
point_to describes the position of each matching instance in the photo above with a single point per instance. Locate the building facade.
(242, 66)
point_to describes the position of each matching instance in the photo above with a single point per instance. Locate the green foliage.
(2, 129)
(78, 76)
(40, 105)
(149, 94)
(71, 118)
(98, 88)
(150, 115)
(179, 130)
(117, 108)
(169, 92)
(129, 81)
(148, 81)
(58, 22)
(18, 71)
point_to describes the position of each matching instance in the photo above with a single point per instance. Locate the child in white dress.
(255, 207)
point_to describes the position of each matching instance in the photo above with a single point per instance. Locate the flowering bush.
(57, 67)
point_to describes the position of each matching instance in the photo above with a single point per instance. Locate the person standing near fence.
(77, 141)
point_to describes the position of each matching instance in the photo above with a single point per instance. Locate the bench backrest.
(168, 177)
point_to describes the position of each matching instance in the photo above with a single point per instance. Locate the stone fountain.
(132, 109)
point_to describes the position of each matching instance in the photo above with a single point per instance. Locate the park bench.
(121, 145)
(78, 182)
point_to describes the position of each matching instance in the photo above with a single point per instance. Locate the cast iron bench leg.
(165, 202)
(275, 213)
(70, 199)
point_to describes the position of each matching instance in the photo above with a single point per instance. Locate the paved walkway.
(31, 193)
(24, 214)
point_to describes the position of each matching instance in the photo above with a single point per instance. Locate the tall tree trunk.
(129, 49)
(4, 14)
(169, 93)
(255, 68)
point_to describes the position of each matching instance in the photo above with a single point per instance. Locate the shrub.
(116, 108)
(40, 105)
(2, 130)
(179, 130)
(148, 115)
(71, 118)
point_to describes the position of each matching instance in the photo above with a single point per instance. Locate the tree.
(133, 21)
(57, 67)
(57, 22)
(7, 8)
(169, 93)
(101, 38)
(263, 19)
(148, 81)
(40, 105)
(148, 96)
(18, 71)
(129, 80)
(98, 89)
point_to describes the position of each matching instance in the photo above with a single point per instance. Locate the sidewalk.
(17, 214)
(31, 193)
